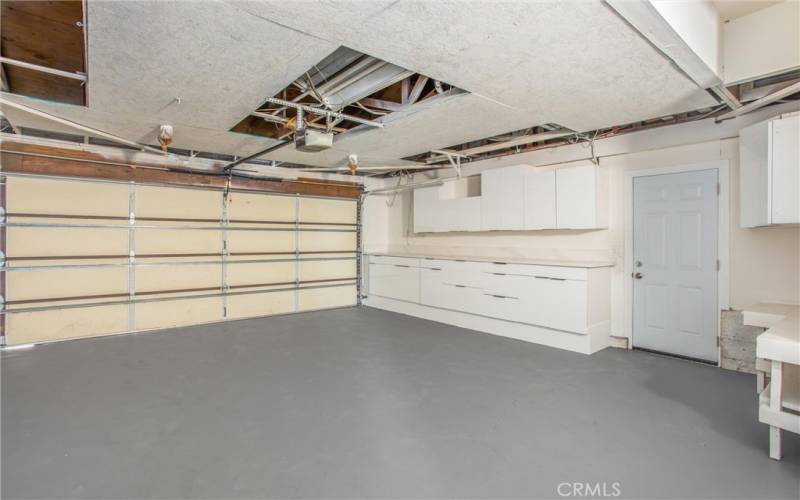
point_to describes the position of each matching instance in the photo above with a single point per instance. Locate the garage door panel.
(323, 298)
(178, 277)
(260, 241)
(260, 304)
(326, 241)
(327, 269)
(63, 197)
(179, 312)
(248, 274)
(57, 283)
(327, 210)
(62, 324)
(164, 241)
(247, 206)
(42, 241)
(167, 202)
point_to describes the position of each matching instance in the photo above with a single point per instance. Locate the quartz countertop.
(507, 260)
(781, 341)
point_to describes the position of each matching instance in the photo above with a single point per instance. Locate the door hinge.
(719, 188)
(718, 265)
(717, 341)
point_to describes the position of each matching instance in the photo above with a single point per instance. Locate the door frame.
(723, 220)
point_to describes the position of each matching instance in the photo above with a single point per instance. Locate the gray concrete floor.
(358, 403)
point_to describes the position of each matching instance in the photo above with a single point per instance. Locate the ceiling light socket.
(165, 136)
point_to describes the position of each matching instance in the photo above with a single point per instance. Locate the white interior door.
(675, 232)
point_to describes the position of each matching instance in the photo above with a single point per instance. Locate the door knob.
(638, 276)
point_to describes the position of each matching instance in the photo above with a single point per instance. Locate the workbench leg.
(775, 442)
(776, 404)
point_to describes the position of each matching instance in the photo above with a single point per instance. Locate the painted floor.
(363, 403)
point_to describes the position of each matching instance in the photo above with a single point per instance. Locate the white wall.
(764, 262)
(762, 43)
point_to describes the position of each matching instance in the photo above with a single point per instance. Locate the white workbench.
(777, 357)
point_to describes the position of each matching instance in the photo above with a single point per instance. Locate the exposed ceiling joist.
(527, 139)
(416, 90)
(726, 97)
(43, 69)
(382, 104)
(760, 103)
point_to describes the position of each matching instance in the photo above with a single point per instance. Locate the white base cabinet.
(394, 277)
(572, 300)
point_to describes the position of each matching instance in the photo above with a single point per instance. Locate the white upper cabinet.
(769, 177)
(503, 198)
(581, 198)
(453, 206)
(540, 199)
(515, 198)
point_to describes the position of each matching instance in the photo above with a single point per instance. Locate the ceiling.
(203, 66)
(732, 9)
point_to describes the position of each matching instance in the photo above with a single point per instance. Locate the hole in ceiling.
(348, 82)
(516, 140)
(43, 50)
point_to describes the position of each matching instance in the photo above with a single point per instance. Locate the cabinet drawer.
(388, 259)
(462, 298)
(570, 273)
(500, 306)
(455, 272)
(395, 281)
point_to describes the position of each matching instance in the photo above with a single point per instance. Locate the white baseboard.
(584, 344)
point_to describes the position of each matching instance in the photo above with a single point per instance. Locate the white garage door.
(87, 258)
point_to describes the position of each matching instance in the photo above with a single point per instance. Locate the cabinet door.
(502, 198)
(540, 199)
(394, 281)
(786, 171)
(576, 197)
(425, 213)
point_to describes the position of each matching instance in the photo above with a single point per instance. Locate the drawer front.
(501, 306)
(391, 260)
(562, 305)
(462, 298)
(570, 273)
(394, 281)
(512, 285)
(455, 272)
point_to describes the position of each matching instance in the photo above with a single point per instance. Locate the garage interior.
(400, 249)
